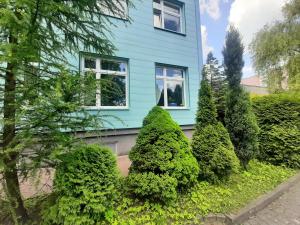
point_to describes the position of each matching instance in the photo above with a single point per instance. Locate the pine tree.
(217, 80)
(239, 117)
(38, 94)
(211, 143)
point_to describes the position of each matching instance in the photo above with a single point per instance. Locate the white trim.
(165, 79)
(98, 72)
(161, 7)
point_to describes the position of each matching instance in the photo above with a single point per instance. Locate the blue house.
(157, 62)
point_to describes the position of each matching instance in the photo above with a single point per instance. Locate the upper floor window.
(111, 83)
(120, 11)
(170, 87)
(168, 15)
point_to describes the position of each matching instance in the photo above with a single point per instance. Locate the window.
(167, 15)
(170, 87)
(112, 89)
(121, 10)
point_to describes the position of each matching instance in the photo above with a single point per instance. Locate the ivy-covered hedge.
(85, 187)
(279, 120)
(162, 161)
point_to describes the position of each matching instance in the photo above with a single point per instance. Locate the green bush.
(242, 125)
(277, 109)
(163, 150)
(279, 120)
(280, 145)
(85, 186)
(211, 143)
(152, 186)
(240, 120)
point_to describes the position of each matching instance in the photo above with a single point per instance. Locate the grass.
(205, 198)
(201, 200)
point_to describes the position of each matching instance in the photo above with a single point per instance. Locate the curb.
(254, 207)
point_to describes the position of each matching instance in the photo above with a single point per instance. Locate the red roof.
(252, 81)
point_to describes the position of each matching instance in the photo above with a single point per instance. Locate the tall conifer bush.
(162, 161)
(211, 143)
(239, 117)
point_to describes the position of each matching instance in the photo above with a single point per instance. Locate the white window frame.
(98, 71)
(165, 78)
(161, 8)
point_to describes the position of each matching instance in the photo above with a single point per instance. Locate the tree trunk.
(9, 131)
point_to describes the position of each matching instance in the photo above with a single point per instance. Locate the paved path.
(284, 211)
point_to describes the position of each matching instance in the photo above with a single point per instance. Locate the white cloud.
(205, 46)
(249, 16)
(211, 7)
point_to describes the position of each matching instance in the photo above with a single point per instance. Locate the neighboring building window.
(170, 87)
(111, 83)
(121, 9)
(167, 15)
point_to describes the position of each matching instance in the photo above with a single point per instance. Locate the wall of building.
(122, 140)
(144, 46)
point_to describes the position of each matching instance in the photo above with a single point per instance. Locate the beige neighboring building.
(254, 85)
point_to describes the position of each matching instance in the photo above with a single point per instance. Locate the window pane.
(157, 18)
(160, 100)
(89, 63)
(177, 73)
(175, 94)
(113, 66)
(159, 71)
(172, 22)
(113, 90)
(90, 89)
(171, 8)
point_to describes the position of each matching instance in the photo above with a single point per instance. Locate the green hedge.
(162, 160)
(85, 187)
(277, 109)
(279, 120)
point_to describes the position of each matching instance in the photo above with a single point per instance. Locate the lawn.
(199, 201)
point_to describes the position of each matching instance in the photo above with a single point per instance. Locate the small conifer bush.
(85, 186)
(162, 160)
(211, 143)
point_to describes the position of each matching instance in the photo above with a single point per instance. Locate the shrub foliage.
(239, 118)
(162, 160)
(279, 120)
(86, 187)
(211, 143)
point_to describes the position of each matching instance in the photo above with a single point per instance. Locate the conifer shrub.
(85, 187)
(240, 120)
(211, 143)
(279, 120)
(161, 157)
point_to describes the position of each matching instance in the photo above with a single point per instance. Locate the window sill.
(93, 108)
(170, 31)
(176, 108)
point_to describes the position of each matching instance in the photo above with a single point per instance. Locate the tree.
(211, 143)
(239, 118)
(39, 102)
(276, 51)
(217, 79)
(162, 161)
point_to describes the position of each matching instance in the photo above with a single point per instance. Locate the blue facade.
(143, 47)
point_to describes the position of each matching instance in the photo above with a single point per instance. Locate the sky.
(249, 16)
